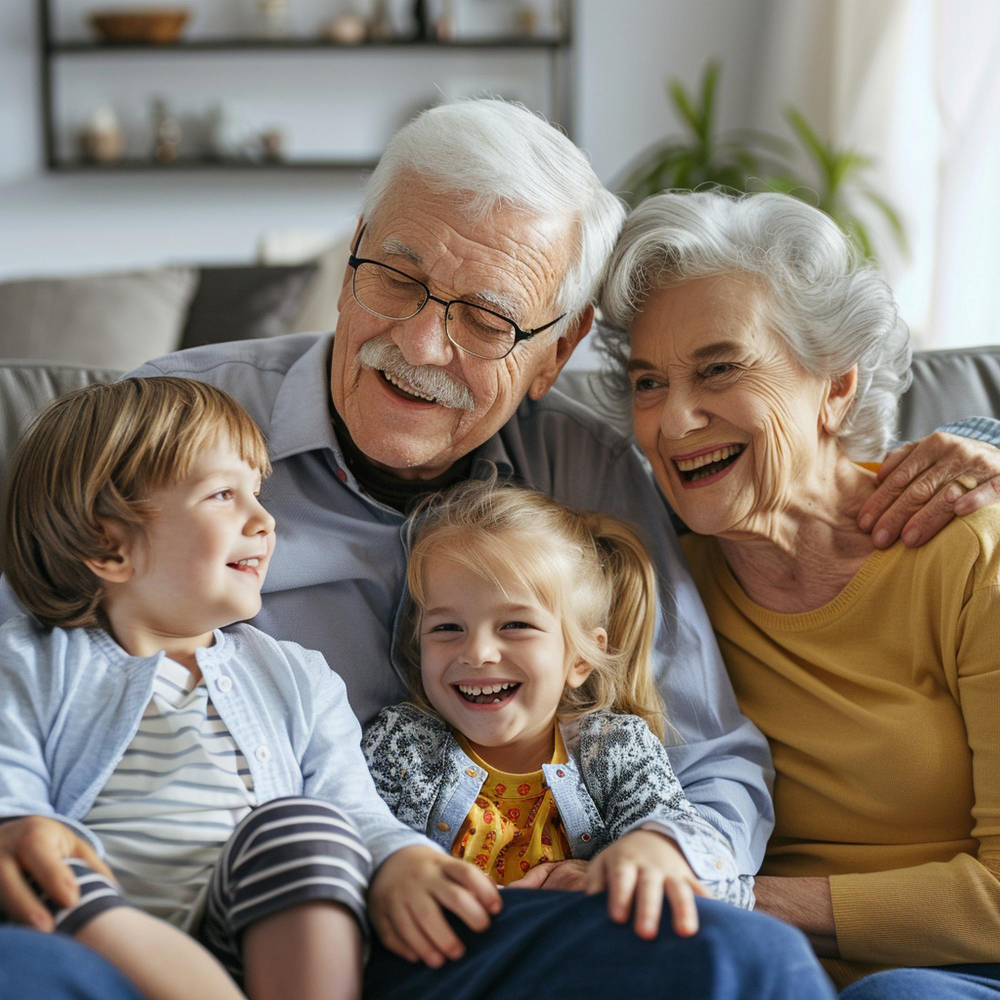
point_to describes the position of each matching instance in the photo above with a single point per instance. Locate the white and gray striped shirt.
(173, 801)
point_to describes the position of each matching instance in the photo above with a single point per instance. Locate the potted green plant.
(754, 160)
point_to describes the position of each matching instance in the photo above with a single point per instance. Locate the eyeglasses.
(393, 294)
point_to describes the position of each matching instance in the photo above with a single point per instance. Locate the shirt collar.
(300, 420)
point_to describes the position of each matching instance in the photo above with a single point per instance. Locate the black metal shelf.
(299, 44)
(557, 50)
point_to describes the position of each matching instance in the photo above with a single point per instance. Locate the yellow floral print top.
(514, 824)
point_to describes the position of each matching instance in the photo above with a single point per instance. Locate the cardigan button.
(718, 864)
(562, 774)
(444, 827)
(471, 772)
(224, 684)
(263, 754)
(585, 837)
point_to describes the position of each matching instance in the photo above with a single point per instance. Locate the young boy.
(218, 771)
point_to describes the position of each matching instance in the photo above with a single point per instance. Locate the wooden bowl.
(156, 25)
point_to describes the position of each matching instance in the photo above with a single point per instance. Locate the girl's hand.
(644, 865)
(406, 896)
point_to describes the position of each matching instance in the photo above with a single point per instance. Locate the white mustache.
(383, 355)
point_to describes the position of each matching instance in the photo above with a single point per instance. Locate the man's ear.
(117, 566)
(581, 668)
(839, 396)
(565, 346)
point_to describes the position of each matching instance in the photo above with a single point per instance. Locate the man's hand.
(35, 847)
(924, 485)
(644, 865)
(805, 903)
(570, 875)
(406, 897)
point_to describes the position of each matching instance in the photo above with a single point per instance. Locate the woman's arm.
(944, 913)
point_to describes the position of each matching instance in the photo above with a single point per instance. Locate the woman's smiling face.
(727, 416)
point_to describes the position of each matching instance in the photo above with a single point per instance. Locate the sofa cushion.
(103, 321)
(25, 388)
(245, 303)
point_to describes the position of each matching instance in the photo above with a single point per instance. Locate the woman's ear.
(117, 566)
(839, 396)
(581, 668)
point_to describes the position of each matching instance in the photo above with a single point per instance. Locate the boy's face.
(475, 636)
(201, 560)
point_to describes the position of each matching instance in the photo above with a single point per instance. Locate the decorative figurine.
(101, 139)
(166, 132)
(273, 18)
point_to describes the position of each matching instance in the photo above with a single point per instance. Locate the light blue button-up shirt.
(72, 700)
(336, 579)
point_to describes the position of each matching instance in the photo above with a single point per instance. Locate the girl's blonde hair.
(97, 453)
(590, 570)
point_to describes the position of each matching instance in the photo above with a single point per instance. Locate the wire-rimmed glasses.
(390, 293)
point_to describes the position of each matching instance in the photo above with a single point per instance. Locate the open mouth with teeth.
(246, 565)
(404, 389)
(709, 464)
(487, 694)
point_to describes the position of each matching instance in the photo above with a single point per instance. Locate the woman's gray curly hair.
(831, 307)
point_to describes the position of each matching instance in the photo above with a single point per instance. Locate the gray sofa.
(947, 385)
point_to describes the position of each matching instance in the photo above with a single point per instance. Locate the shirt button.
(718, 864)
(224, 684)
(585, 837)
(444, 827)
(562, 774)
(263, 754)
(341, 475)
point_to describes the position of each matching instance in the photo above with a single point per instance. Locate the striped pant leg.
(286, 852)
(97, 894)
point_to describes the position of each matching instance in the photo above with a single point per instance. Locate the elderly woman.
(764, 363)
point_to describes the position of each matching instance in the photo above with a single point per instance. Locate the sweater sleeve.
(943, 913)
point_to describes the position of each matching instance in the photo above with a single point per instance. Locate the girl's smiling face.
(494, 664)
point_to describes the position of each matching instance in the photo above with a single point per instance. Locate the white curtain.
(916, 84)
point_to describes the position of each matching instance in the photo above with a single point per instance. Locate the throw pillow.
(319, 306)
(104, 321)
(245, 303)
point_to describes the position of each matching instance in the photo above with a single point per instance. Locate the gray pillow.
(246, 303)
(105, 321)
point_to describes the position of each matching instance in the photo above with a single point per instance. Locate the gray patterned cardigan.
(618, 779)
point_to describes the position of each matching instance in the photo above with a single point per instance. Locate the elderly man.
(474, 266)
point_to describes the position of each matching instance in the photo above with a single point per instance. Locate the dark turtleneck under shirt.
(383, 486)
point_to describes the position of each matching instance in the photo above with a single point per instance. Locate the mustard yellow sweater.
(882, 709)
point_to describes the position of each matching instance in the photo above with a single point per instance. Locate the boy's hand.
(644, 865)
(406, 896)
(35, 847)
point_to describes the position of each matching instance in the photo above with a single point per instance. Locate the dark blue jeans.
(36, 966)
(562, 944)
(947, 982)
(553, 944)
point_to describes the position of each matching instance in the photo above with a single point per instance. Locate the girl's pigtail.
(631, 620)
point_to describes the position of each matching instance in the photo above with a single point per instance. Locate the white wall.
(64, 223)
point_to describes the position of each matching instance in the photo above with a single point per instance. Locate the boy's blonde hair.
(97, 453)
(590, 570)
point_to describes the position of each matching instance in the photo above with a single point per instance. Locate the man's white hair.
(832, 309)
(496, 155)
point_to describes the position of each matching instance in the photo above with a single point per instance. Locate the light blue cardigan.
(71, 701)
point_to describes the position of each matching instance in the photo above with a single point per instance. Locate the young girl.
(217, 770)
(534, 730)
